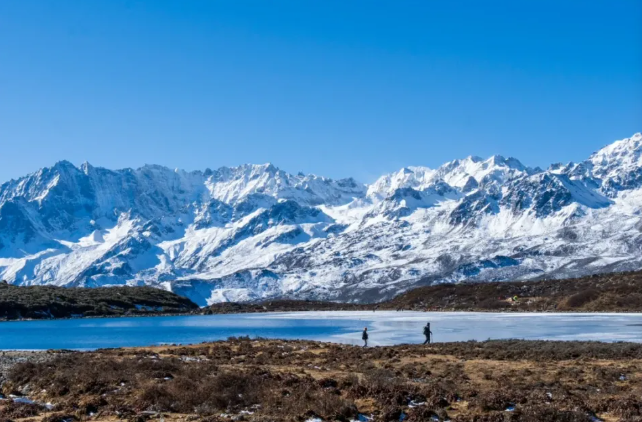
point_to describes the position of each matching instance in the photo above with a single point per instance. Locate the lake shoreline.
(601, 293)
(443, 311)
(386, 328)
(439, 311)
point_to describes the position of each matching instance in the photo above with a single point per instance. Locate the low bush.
(582, 298)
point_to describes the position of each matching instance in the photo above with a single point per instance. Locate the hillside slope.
(43, 302)
(618, 292)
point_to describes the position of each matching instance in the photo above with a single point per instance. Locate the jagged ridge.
(256, 231)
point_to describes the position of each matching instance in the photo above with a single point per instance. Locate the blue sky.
(338, 88)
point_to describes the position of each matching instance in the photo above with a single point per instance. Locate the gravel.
(9, 359)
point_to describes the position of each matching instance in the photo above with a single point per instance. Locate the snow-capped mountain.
(256, 231)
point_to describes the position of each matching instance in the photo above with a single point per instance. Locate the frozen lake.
(385, 327)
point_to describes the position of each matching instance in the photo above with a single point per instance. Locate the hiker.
(427, 333)
(364, 336)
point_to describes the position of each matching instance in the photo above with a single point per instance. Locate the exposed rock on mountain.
(255, 231)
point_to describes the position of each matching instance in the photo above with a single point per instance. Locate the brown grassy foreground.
(273, 380)
(614, 292)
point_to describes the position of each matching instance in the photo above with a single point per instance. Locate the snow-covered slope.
(255, 231)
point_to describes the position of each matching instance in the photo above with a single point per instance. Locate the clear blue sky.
(333, 87)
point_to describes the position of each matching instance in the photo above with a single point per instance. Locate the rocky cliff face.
(255, 231)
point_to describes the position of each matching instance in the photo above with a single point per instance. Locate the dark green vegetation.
(616, 292)
(39, 302)
(272, 380)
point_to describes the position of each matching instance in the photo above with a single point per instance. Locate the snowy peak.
(256, 231)
(408, 177)
(613, 169)
(495, 169)
(627, 151)
(463, 174)
(63, 200)
(232, 185)
(619, 158)
(228, 184)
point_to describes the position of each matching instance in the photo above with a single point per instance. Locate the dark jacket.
(427, 331)
(364, 336)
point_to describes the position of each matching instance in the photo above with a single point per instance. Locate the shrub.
(582, 298)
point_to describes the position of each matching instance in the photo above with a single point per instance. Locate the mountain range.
(255, 231)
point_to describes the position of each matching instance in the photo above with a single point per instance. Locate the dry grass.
(298, 380)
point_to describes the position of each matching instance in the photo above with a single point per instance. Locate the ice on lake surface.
(385, 328)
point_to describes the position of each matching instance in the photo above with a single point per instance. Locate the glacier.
(256, 232)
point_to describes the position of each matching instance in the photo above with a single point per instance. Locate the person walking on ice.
(364, 337)
(427, 333)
